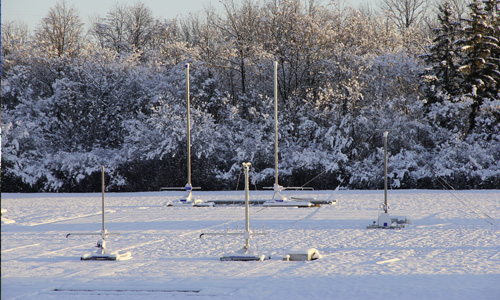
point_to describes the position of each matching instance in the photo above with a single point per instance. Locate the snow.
(449, 252)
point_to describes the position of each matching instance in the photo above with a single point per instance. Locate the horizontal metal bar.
(183, 188)
(91, 233)
(297, 188)
(232, 233)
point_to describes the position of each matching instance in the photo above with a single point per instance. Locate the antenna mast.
(247, 207)
(384, 219)
(188, 128)
(386, 204)
(102, 188)
(102, 250)
(276, 122)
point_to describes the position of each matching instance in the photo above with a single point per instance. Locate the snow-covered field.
(449, 252)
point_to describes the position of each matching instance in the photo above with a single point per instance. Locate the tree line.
(114, 95)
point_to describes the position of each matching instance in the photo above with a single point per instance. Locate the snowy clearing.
(449, 252)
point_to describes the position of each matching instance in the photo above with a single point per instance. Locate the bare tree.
(241, 27)
(61, 30)
(366, 10)
(109, 32)
(140, 24)
(405, 13)
(125, 28)
(13, 33)
(14, 37)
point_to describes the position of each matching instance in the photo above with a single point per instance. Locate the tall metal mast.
(245, 254)
(276, 122)
(384, 219)
(386, 204)
(102, 250)
(247, 207)
(188, 128)
(102, 188)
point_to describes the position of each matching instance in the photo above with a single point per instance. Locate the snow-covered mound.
(451, 251)
(6, 220)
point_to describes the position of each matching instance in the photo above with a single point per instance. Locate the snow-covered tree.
(14, 35)
(442, 75)
(110, 31)
(344, 77)
(125, 28)
(481, 48)
(406, 13)
(61, 31)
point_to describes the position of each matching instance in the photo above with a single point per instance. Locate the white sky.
(32, 11)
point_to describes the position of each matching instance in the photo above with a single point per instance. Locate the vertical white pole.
(188, 128)
(102, 188)
(276, 122)
(247, 207)
(386, 205)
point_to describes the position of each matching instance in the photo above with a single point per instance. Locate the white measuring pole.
(188, 128)
(247, 207)
(104, 233)
(276, 122)
(102, 188)
(386, 205)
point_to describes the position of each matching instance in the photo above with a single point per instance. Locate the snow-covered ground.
(449, 252)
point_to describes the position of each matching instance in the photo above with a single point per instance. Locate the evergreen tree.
(481, 49)
(442, 74)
